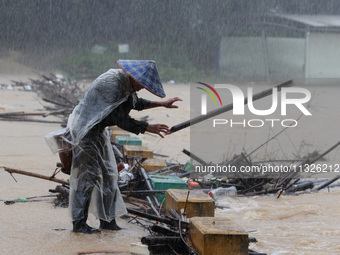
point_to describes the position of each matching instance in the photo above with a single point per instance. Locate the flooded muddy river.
(304, 224)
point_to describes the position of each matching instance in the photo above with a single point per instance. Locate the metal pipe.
(148, 185)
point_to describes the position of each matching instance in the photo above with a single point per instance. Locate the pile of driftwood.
(139, 185)
(250, 184)
(61, 95)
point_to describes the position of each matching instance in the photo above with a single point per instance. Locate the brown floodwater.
(304, 224)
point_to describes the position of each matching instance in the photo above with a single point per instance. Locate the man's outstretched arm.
(167, 103)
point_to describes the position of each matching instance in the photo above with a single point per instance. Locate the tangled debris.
(169, 231)
(61, 95)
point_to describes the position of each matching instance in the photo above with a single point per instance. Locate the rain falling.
(241, 112)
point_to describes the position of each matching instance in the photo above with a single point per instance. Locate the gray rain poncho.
(94, 172)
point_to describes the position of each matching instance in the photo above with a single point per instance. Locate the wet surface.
(304, 224)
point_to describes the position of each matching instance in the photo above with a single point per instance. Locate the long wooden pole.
(17, 171)
(227, 108)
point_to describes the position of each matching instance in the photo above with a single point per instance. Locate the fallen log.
(56, 103)
(334, 185)
(327, 183)
(10, 114)
(31, 120)
(5, 114)
(49, 178)
(300, 186)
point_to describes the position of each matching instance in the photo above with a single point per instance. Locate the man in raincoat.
(94, 173)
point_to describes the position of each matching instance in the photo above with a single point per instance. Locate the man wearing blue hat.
(94, 173)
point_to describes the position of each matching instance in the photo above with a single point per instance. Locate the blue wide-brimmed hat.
(145, 73)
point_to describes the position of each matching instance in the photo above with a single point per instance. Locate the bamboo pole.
(12, 114)
(16, 171)
(194, 157)
(227, 108)
(31, 120)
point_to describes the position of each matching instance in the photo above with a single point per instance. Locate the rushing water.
(304, 224)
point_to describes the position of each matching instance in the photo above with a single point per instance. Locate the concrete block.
(198, 203)
(218, 235)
